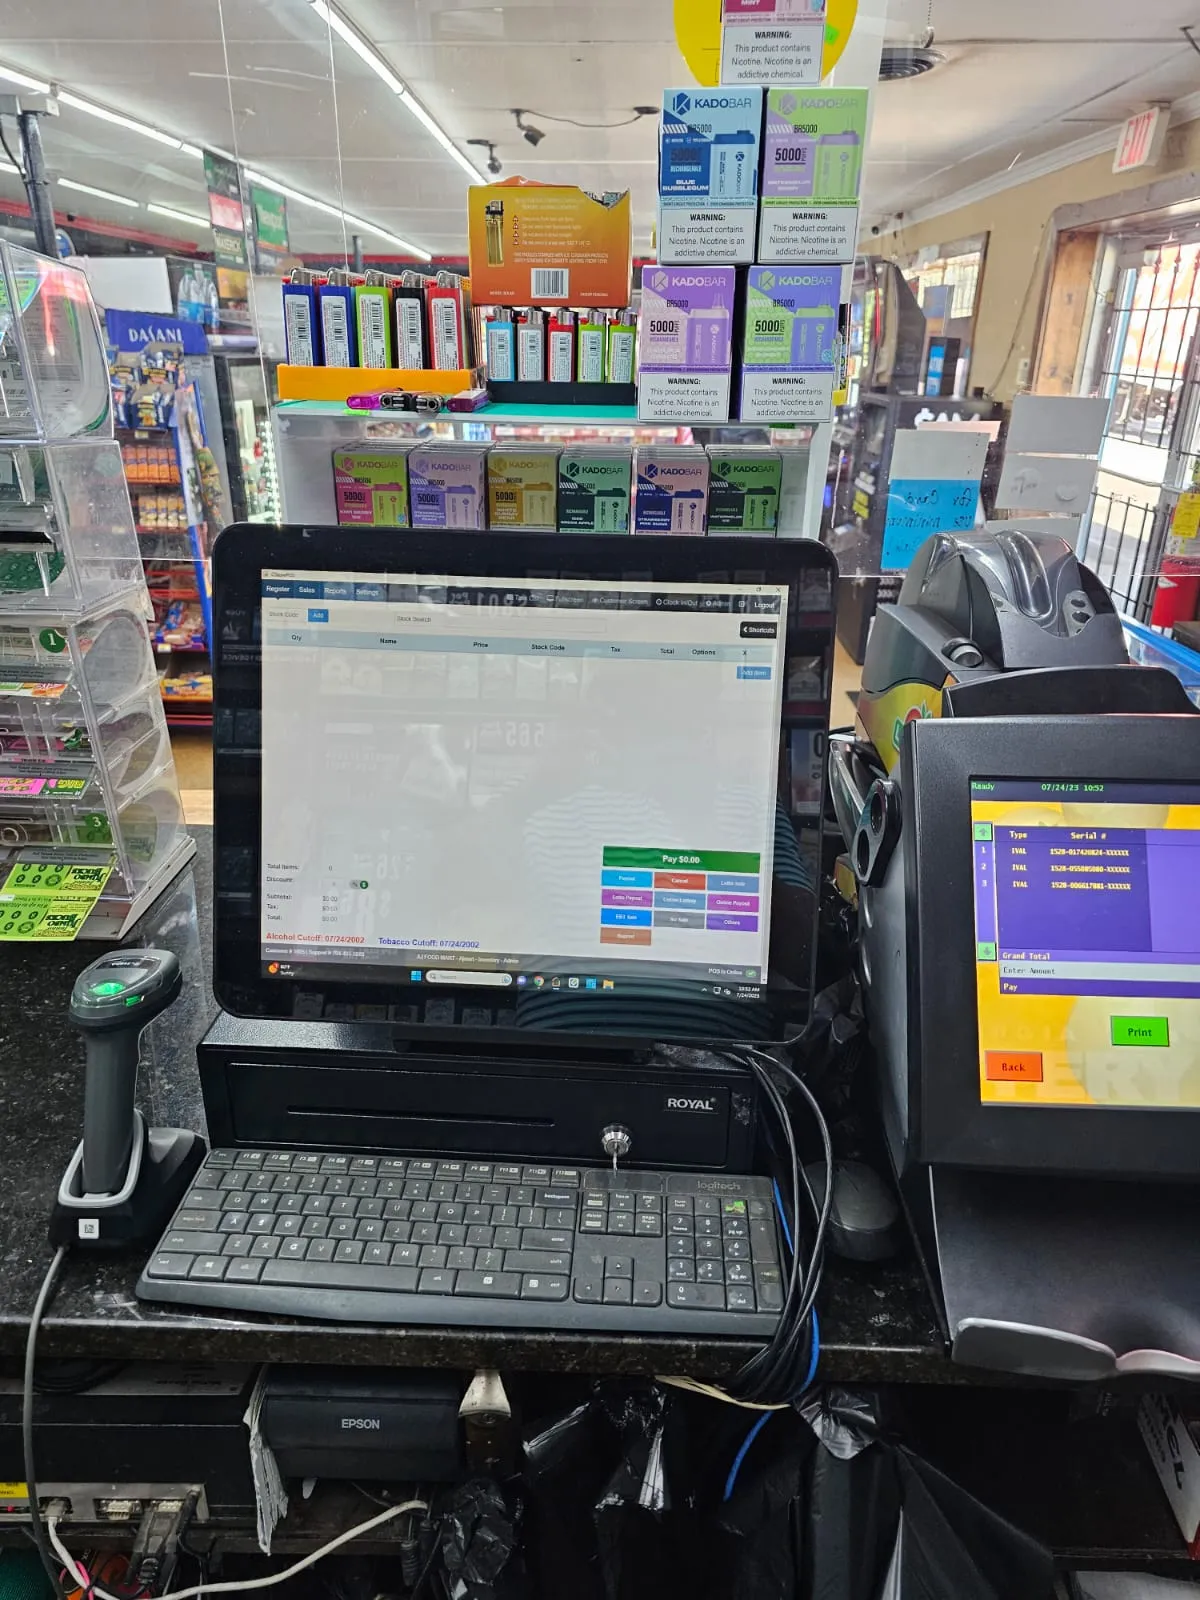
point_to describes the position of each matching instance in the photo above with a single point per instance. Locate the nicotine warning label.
(683, 397)
(706, 233)
(786, 53)
(796, 233)
(786, 397)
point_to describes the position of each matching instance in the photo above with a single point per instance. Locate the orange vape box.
(546, 244)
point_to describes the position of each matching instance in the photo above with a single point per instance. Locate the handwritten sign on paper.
(917, 507)
(1187, 517)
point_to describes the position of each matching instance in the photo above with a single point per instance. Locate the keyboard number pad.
(721, 1255)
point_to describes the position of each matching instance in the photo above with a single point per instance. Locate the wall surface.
(1017, 221)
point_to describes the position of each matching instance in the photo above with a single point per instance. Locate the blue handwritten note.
(917, 507)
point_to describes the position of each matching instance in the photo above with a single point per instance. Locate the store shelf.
(529, 416)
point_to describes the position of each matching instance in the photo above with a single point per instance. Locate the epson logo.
(365, 1424)
(678, 1102)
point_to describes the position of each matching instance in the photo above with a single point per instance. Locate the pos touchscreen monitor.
(1053, 886)
(466, 785)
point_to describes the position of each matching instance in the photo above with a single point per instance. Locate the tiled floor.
(193, 750)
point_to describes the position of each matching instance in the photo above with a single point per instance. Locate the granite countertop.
(877, 1323)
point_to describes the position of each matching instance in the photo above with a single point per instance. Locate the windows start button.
(1154, 1032)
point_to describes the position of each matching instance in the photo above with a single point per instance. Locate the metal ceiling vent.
(907, 61)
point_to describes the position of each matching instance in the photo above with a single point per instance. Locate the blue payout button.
(318, 614)
(754, 672)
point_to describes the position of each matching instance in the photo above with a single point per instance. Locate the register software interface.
(470, 781)
(1087, 942)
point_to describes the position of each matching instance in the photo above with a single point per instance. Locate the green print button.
(1152, 1031)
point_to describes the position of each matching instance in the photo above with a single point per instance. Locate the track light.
(533, 136)
(494, 165)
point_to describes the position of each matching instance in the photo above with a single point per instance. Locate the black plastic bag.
(626, 1503)
(478, 1538)
(584, 1465)
(834, 1511)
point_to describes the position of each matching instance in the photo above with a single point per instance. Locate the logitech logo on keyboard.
(679, 1102)
(372, 1423)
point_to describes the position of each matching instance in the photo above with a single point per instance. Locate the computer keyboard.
(473, 1243)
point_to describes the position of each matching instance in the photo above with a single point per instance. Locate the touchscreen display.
(555, 785)
(1087, 942)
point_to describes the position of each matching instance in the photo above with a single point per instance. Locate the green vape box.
(593, 489)
(743, 490)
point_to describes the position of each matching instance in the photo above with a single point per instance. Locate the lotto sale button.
(1013, 1066)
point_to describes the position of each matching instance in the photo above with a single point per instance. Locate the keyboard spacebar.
(331, 1275)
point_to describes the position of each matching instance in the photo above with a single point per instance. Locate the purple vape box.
(685, 343)
(446, 485)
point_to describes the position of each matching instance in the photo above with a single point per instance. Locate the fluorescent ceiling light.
(191, 217)
(411, 103)
(24, 80)
(359, 45)
(368, 53)
(336, 211)
(105, 115)
(68, 98)
(100, 194)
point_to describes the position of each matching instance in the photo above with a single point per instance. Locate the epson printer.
(1023, 824)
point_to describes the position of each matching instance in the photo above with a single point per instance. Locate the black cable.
(768, 1377)
(546, 116)
(776, 1373)
(37, 1526)
(428, 1567)
(9, 154)
(367, 1494)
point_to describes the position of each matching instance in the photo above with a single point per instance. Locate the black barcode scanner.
(125, 1179)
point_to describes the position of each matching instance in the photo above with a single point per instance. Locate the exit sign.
(1141, 141)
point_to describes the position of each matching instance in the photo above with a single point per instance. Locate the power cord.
(36, 1525)
(775, 1376)
(778, 1371)
(240, 1585)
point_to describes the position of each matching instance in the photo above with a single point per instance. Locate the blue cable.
(761, 1422)
(783, 1221)
(756, 1428)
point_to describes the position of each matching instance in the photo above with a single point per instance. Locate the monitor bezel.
(241, 553)
(953, 1126)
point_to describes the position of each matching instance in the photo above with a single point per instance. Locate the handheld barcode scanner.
(125, 1179)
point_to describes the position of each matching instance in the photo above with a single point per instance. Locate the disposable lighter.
(301, 325)
(561, 347)
(336, 302)
(373, 321)
(446, 312)
(593, 333)
(412, 347)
